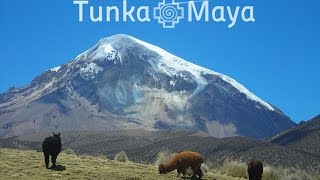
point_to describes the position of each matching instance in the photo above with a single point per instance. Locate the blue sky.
(277, 57)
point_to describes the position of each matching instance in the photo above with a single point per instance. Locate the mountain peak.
(121, 42)
(108, 47)
(123, 83)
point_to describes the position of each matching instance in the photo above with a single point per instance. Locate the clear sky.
(277, 57)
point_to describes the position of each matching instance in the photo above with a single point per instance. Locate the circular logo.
(168, 12)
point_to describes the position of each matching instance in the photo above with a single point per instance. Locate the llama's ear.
(59, 134)
(54, 134)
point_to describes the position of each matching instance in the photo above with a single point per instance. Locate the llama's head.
(56, 135)
(161, 169)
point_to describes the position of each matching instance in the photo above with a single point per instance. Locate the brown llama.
(255, 169)
(181, 161)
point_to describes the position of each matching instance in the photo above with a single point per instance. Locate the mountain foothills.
(305, 137)
(125, 83)
(297, 147)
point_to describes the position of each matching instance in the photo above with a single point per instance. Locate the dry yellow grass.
(239, 169)
(234, 169)
(27, 164)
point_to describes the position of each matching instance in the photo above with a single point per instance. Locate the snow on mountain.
(169, 64)
(124, 83)
(173, 62)
(90, 71)
(55, 69)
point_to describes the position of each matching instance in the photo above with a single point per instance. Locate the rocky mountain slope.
(305, 137)
(125, 83)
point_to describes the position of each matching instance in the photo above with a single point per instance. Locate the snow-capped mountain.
(125, 83)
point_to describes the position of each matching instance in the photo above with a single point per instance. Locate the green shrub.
(121, 157)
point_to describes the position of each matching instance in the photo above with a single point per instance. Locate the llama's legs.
(257, 177)
(184, 173)
(179, 172)
(46, 159)
(53, 159)
(196, 171)
(193, 176)
(200, 174)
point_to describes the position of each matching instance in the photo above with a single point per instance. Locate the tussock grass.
(270, 173)
(121, 157)
(204, 168)
(234, 169)
(279, 173)
(239, 169)
(27, 164)
(69, 151)
(162, 157)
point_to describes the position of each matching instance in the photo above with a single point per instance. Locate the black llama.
(51, 146)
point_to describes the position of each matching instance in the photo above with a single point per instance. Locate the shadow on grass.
(58, 168)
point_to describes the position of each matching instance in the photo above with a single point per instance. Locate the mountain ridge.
(304, 137)
(125, 83)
